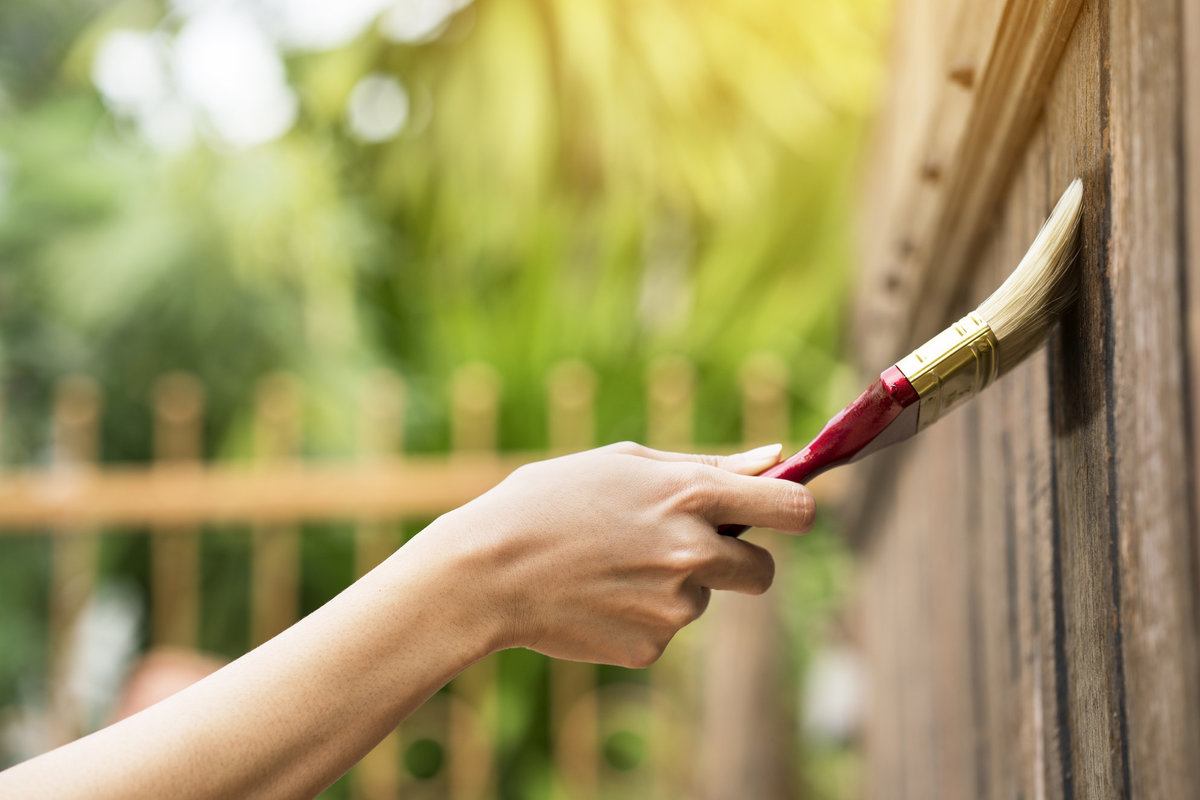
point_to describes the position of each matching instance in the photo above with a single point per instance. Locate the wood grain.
(1080, 544)
(1190, 274)
(931, 229)
(1152, 512)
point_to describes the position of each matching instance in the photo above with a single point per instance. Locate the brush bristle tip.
(1030, 300)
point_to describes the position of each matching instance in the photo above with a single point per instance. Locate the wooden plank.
(1026, 408)
(670, 419)
(275, 557)
(913, 643)
(380, 439)
(995, 534)
(281, 492)
(922, 130)
(74, 549)
(1081, 391)
(1086, 572)
(380, 434)
(1016, 439)
(746, 740)
(574, 710)
(418, 486)
(175, 549)
(936, 244)
(945, 589)
(1157, 591)
(475, 410)
(1190, 155)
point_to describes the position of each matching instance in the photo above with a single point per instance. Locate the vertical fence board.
(574, 715)
(1158, 622)
(1083, 554)
(175, 551)
(275, 568)
(74, 551)
(475, 403)
(670, 417)
(1190, 272)
(747, 736)
(380, 435)
(1082, 399)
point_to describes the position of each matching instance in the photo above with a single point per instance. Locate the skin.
(600, 556)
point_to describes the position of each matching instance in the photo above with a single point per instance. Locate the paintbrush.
(958, 363)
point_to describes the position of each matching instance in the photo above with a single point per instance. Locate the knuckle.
(798, 507)
(627, 448)
(527, 471)
(683, 560)
(688, 557)
(696, 488)
(689, 607)
(678, 615)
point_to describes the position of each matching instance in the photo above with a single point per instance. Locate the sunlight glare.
(378, 108)
(414, 21)
(231, 70)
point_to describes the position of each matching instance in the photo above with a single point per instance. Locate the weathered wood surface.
(1029, 575)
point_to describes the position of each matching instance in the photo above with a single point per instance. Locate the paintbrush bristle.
(1027, 304)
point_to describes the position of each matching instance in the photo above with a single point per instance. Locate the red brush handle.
(847, 435)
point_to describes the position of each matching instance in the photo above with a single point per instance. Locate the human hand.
(604, 555)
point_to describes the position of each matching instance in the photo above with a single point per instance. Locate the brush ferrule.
(956, 364)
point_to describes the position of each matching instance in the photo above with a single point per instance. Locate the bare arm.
(601, 556)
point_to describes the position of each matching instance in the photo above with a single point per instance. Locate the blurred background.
(512, 226)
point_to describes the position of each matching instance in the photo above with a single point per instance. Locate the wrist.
(453, 563)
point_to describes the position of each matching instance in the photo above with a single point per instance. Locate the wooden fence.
(1029, 567)
(174, 498)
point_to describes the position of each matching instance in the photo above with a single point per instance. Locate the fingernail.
(766, 455)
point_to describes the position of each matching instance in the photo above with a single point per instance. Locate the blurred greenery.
(606, 180)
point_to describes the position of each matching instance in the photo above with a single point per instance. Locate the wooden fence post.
(381, 435)
(573, 700)
(475, 396)
(175, 550)
(74, 553)
(275, 571)
(670, 419)
(747, 741)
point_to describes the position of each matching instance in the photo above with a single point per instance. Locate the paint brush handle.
(876, 419)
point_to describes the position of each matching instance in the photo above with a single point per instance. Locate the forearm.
(291, 716)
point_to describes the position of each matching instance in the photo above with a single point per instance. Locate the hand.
(604, 555)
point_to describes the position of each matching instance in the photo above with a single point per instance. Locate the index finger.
(730, 499)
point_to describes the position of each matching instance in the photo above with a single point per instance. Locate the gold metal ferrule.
(951, 367)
